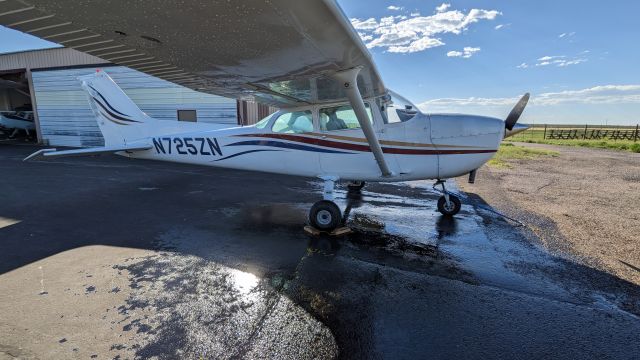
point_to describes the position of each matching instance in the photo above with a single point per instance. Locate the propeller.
(515, 113)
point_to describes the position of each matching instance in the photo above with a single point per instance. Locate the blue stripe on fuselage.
(285, 145)
(243, 153)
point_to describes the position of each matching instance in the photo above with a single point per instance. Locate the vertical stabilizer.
(120, 120)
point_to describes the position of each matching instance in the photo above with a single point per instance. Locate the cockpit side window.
(341, 118)
(295, 122)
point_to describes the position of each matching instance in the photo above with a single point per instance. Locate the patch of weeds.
(511, 152)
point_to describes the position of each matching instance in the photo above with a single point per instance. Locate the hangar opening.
(16, 108)
(41, 99)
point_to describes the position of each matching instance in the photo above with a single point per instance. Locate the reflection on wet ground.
(229, 273)
(303, 305)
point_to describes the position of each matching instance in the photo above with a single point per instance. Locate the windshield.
(395, 109)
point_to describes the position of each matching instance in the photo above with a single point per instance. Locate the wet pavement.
(115, 258)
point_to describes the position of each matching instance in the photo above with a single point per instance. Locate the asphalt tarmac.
(106, 257)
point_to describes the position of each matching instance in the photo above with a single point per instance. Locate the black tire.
(355, 186)
(449, 211)
(325, 215)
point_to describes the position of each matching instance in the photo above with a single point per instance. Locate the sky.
(578, 58)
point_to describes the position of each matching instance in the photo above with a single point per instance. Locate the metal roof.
(47, 58)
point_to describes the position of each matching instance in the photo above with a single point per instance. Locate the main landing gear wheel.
(355, 186)
(325, 215)
(450, 209)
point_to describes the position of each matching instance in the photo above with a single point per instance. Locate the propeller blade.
(515, 113)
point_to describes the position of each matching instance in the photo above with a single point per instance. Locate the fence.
(586, 132)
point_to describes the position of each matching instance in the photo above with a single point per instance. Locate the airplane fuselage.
(425, 147)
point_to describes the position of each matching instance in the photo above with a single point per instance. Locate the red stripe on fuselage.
(357, 147)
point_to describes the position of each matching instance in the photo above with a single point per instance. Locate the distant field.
(538, 134)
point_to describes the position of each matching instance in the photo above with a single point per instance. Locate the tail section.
(120, 120)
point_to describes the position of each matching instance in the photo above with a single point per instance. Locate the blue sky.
(577, 58)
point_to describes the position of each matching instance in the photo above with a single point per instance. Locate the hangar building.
(45, 81)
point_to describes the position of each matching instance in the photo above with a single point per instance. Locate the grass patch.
(508, 151)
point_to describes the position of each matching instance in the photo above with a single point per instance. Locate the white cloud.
(443, 7)
(466, 53)
(559, 61)
(618, 103)
(502, 26)
(418, 33)
(547, 58)
(365, 37)
(523, 66)
(418, 45)
(395, 8)
(563, 63)
(368, 24)
(604, 94)
(566, 34)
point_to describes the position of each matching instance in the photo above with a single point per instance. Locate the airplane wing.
(279, 52)
(53, 153)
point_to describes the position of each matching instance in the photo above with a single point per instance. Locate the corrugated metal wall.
(66, 119)
(250, 112)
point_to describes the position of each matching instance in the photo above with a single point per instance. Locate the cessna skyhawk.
(338, 122)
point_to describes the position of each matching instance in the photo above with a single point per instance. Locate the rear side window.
(295, 122)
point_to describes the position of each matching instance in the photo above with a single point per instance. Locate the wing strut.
(349, 78)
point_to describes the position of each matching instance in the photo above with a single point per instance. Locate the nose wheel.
(325, 215)
(448, 204)
(451, 207)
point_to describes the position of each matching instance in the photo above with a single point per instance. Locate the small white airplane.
(16, 121)
(337, 120)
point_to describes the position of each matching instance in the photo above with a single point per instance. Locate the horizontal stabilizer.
(52, 153)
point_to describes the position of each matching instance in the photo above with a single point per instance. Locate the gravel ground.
(582, 204)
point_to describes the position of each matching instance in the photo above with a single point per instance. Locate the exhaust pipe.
(472, 176)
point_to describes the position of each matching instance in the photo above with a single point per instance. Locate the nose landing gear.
(325, 215)
(448, 204)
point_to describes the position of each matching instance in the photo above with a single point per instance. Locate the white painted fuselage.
(425, 147)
